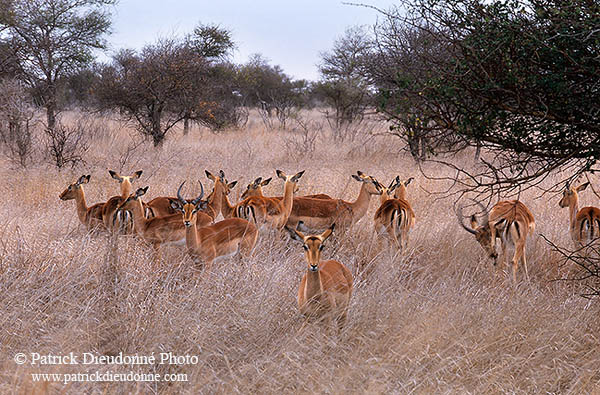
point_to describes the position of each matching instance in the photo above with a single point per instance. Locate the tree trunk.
(51, 106)
(51, 114)
(477, 152)
(423, 148)
(186, 126)
(158, 135)
(413, 144)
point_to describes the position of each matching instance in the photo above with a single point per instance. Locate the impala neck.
(383, 197)
(401, 192)
(125, 188)
(288, 197)
(80, 204)
(314, 286)
(191, 235)
(216, 201)
(361, 204)
(139, 219)
(573, 209)
(226, 207)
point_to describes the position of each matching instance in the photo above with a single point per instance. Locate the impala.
(227, 209)
(255, 189)
(163, 205)
(321, 213)
(224, 238)
(91, 216)
(157, 230)
(326, 287)
(585, 223)
(511, 221)
(272, 211)
(395, 217)
(122, 221)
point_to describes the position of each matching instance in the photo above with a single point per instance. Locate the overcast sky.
(288, 33)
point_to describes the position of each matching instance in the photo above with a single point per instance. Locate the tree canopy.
(53, 38)
(518, 77)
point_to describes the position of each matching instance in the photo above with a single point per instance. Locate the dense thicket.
(517, 77)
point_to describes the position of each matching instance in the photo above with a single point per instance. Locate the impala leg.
(502, 257)
(404, 240)
(493, 241)
(519, 255)
(524, 259)
(156, 253)
(341, 321)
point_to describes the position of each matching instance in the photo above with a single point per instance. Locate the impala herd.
(326, 287)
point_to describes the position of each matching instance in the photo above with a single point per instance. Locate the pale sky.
(288, 33)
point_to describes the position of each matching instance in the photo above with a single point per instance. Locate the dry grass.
(436, 320)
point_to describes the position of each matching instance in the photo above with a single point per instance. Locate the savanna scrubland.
(436, 319)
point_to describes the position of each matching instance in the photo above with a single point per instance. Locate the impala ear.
(202, 205)
(83, 180)
(408, 181)
(360, 173)
(136, 175)
(297, 176)
(281, 175)
(474, 223)
(583, 186)
(357, 178)
(325, 235)
(266, 182)
(175, 205)
(294, 234)
(231, 184)
(114, 175)
(209, 175)
(141, 192)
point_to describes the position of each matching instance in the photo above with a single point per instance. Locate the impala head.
(132, 199)
(481, 230)
(227, 186)
(313, 245)
(189, 208)
(70, 192)
(125, 181)
(373, 186)
(386, 193)
(401, 188)
(570, 194)
(293, 179)
(255, 187)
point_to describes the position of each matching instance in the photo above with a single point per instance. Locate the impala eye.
(305, 247)
(321, 247)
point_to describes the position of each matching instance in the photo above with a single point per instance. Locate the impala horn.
(461, 221)
(181, 199)
(486, 217)
(199, 198)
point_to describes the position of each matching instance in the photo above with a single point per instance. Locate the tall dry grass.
(437, 319)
